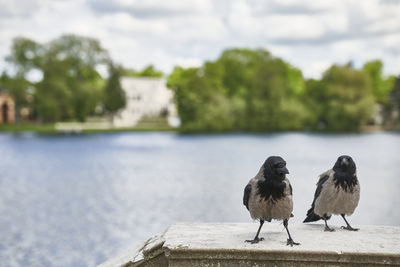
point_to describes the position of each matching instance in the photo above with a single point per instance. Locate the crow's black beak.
(345, 162)
(283, 170)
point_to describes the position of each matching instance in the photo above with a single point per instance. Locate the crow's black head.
(275, 168)
(345, 173)
(345, 164)
(274, 173)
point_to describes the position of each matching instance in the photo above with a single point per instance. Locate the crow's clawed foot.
(255, 240)
(350, 228)
(327, 229)
(291, 242)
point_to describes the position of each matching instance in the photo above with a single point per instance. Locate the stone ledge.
(222, 244)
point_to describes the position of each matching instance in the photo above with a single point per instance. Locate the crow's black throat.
(271, 188)
(346, 180)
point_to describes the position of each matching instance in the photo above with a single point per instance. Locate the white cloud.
(18, 8)
(126, 24)
(292, 27)
(335, 21)
(309, 34)
(197, 28)
(391, 40)
(151, 8)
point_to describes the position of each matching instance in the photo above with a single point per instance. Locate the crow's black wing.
(291, 193)
(321, 181)
(311, 216)
(246, 196)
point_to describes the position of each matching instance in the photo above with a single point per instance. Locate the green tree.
(114, 95)
(189, 90)
(342, 99)
(395, 102)
(242, 90)
(148, 71)
(380, 86)
(25, 57)
(71, 87)
(72, 60)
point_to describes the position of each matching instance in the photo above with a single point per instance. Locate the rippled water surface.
(78, 200)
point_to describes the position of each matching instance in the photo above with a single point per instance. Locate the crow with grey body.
(338, 192)
(269, 196)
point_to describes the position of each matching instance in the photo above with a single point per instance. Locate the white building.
(146, 97)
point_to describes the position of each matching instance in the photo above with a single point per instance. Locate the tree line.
(60, 80)
(251, 90)
(242, 90)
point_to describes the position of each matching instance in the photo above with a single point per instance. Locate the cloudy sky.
(310, 34)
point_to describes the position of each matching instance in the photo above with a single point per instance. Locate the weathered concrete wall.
(222, 244)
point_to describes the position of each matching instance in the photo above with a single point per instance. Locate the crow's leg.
(348, 227)
(289, 240)
(257, 239)
(327, 229)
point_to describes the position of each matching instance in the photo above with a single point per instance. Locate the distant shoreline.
(51, 129)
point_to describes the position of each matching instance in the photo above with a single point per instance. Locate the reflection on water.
(76, 201)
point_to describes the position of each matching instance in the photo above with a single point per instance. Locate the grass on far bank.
(50, 128)
(129, 129)
(143, 126)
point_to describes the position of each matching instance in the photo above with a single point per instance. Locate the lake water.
(78, 200)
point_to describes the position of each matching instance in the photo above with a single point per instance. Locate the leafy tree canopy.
(148, 71)
(71, 86)
(114, 95)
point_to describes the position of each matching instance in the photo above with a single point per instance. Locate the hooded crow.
(269, 196)
(338, 192)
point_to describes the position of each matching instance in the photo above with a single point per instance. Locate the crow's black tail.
(311, 216)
